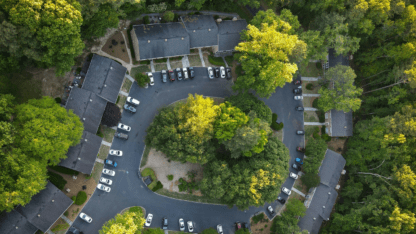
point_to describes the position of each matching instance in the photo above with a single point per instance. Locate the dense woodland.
(377, 194)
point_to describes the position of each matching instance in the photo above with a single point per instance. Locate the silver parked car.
(210, 73)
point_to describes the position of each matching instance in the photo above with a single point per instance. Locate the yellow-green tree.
(197, 115)
(268, 56)
(402, 221)
(131, 222)
(228, 121)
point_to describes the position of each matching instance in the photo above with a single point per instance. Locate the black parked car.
(179, 73)
(129, 108)
(191, 72)
(217, 72)
(296, 167)
(165, 223)
(299, 108)
(297, 91)
(229, 73)
(281, 200)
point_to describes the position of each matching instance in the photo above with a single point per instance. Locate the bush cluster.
(326, 137)
(187, 186)
(57, 180)
(316, 132)
(81, 198)
(64, 170)
(257, 218)
(170, 177)
(158, 186)
(274, 117)
(315, 150)
(216, 61)
(277, 126)
(310, 180)
(146, 20)
(309, 86)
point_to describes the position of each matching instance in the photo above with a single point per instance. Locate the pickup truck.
(121, 135)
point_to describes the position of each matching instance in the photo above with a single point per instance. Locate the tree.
(247, 102)
(316, 45)
(243, 231)
(97, 25)
(153, 231)
(46, 32)
(287, 223)
(209, 231)
(341, 93)
(128, 222)
(111, 116)
(230, 119)
(315, 150)
(311, 180)
(264, 56)
(249, 139)
(168, 16)
(142, 79)
(46, 130)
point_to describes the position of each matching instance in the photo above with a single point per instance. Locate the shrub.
(310, 180)
(99, 133)
(275, 126)
(158, 186)
(57, 180)
(228, 18)
(247, 102)
(142, 79)
(145, 62)
(274, 117)
(315, 103)
(170, 177)
(216, 60)
(74, 198)
(315, 150)
(60, 227)
(198, 13)
(326, 137)
(309, 86)
(163, 60)
(58, 100)
(258, 218)
(323, 130)
(64, 170)
(79, 69)
(168, 16)
(280, 127)
(118, 99)
(216, 17)
(66, 213)
(146, 20)
(81, 198)
(319, 65)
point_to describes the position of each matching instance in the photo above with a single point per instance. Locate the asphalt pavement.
(129, 190)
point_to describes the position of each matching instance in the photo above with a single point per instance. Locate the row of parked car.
(165, 223)
(219, 72)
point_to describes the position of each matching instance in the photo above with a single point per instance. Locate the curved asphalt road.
(129, 190)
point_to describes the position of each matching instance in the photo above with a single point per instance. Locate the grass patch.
(126, 85)
(140, 69)
(103, 153)
(258, 218)
(188, 197)
(229, 60)
(164, 60)
(160, 67)
(194, 61)
(216, 60)
(136, 209)
(60, 227)
(122, 101)
(176, 58)
(145, 156)
(314, 84)
(309, 130)
(151, 173)
(310, 70)
(108, 133)
(96, 172)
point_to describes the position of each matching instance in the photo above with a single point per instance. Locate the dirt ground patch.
(162, 167)
(194, 61)
(117, 49)
(51, 84)
(315, 87)
(176, 64)
(307, 101)
(337, 145)
(278, 134)
(261, 227)
(310, 116)
(299, 186)
(161, 66)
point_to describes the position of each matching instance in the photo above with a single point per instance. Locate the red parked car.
(171, 75)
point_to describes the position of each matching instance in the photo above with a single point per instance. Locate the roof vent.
(53, 200)
(38, 215)
(209, 30)
(86, 140)
(234, 18)
(194, 30)
(83, 119)
(323, 207)
(219, 20)
(148, 41)
(182, 38)
(90, 100)
(166, 39)
(314, 218)
(327, 219)
(17, 227)
(111, 68)
(329, 193)
(79, 159)
(105, 85)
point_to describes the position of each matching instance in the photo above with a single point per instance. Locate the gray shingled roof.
(321, 206)
(87, 105)
(166, 40)
(334, 60)
(14, 223)
(45, 207)
(229, 34)
(341, 123)
(104, 78)
(331, 168)
(202, 30)
(86, 150)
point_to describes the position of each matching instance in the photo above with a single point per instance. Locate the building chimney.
(314, 218)
(17, 227)
(343, 172)
(182, 38)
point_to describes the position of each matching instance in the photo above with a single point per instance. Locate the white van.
(185, 73)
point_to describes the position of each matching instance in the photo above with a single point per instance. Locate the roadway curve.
(129, 190)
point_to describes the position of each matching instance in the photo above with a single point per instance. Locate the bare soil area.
(337, 145)
(162, 168)
(262, 227)
(117, 49)
(51, 85)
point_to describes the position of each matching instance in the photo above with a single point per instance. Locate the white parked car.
(298, 97)
(103, 187)
(133, 101)
(124, 127)
(185, 73)
(286, 190)
(219, 229)
(190, 226)
(152, 81)
(181, 224)
(106, 181)
(210, 73)
(148, 220)
(85, 217)
(293, 175)
(116, 152)
(109, 172)
(222, 72)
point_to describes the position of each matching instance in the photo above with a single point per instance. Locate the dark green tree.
(96, 26)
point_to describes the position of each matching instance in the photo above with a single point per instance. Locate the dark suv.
(191, 72)
(217, 72)
(165, 223)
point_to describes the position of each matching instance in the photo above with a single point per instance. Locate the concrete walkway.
(105, 143)
(185, 61)
(168, 64)
(123, 93)
(310, 78)
(49, 232)
(311, 95)
(66, 220)
(130, 78)
(99, 160)
(223, 59)
(298, 192)
(152, 65)
(201, 57)
(314, 123)
(310, 109)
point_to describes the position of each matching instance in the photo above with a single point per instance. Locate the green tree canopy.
(287, 223)
(247, 102)
(153, 231)
(168, 16)
(230, 119)
(339, 91)
(128, 222)
(96, 26)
